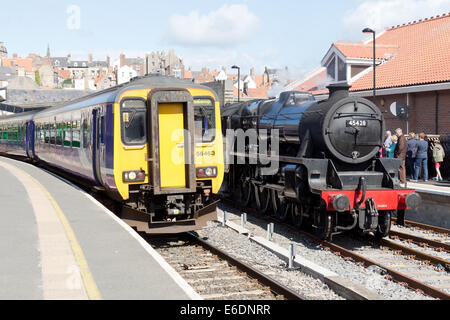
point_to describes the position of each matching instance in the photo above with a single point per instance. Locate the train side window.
(85, 133)
(102, 129)
(76, 134)
(67, 133)
(134, 121)
(59, 133)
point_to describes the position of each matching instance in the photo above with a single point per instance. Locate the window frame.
(213, 103)
(122, 126)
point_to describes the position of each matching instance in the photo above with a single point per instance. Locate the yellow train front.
(168, 154)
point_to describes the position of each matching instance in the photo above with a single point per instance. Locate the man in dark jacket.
(411, 154)
(400, 153)
(421, 158)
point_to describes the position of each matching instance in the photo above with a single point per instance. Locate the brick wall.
(422, 112)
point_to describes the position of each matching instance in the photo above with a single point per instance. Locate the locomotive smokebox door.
(171, 124)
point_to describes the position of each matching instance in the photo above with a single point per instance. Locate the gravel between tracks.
(307, 249)
(254, 255)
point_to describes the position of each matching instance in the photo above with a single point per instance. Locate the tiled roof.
(423, 55)
(312, 82)
(65, 74)
(253, 93)
(39, 96)
(26, 63)
(365, 51)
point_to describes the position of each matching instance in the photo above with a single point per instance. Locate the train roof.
(24, 116)
(113, 94)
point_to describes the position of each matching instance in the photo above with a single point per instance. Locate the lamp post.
(368, 30)
(239, 82)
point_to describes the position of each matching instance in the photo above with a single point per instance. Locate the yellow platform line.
(88, 279)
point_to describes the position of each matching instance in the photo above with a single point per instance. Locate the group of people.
(414, 153)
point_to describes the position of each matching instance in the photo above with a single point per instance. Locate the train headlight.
(208, 172)
(341, 203)
(134, 176)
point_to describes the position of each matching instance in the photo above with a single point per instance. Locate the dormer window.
(57, 63)
(337, 69)
(75, 64)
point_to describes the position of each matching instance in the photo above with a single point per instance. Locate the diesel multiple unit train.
(329, 176)
(150, 144)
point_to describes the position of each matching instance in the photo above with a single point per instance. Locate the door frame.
(172, 95)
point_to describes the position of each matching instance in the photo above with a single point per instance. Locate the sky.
(249, 33)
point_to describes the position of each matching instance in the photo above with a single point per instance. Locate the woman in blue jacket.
(391, 149)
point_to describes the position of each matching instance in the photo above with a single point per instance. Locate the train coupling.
(143, 222)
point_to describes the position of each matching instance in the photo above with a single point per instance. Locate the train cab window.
(204, 117)
(134, 121)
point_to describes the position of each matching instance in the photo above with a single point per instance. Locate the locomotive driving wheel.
(298, 214)
(285, 210)
(384, 225)
(245, 187)
(262, 199)
(275, 199)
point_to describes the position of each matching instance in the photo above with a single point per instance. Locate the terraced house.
(413, 70)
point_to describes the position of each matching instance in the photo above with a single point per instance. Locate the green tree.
(37, 77)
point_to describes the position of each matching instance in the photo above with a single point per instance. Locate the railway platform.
(435, 207)
(59, 243)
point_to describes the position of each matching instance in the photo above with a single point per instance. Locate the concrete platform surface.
(432, 187)
(57, 242)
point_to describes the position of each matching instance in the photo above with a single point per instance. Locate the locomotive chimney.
(339, 90)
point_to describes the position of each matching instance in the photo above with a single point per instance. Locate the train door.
(102, 140)
(95, 145)
(171, 124)
(29, 140)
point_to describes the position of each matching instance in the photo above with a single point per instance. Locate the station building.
(413, 70)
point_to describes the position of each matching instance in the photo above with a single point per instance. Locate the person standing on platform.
(438, 158)
(391, 149)
(387, 142)
(421, 159)
(411, 154)
(400, 153)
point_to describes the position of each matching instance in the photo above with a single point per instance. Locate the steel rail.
(425, 226)
(420, 241)
(396, 276)
(265, 280)
(418, 255)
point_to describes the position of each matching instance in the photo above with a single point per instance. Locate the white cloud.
(229, 25)
(378, 14)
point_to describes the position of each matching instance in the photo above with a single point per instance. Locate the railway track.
(431, 276)
(214, 274)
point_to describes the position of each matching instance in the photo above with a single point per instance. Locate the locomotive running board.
(142, 222)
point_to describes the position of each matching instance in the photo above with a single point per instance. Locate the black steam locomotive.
(330, 175)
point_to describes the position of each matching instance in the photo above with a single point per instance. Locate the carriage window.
(67, 133)
(76, 133)
(85, 133)
(59, 134)
(134, 121)
(205, 123)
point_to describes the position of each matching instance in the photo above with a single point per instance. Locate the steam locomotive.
(329, 174)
